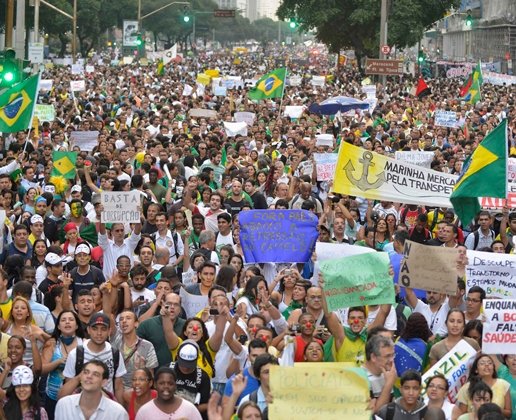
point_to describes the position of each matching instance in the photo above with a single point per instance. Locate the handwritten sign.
(324, 140)
(202, 113)
(293, 111)
(86, 140)
(277, 235)
(45, 112)
(495, 273)
(418, 158)
(77, 85)
(247, 117)
(454, 365)
(192, 304)
(307, 391)
(429, 268)
(357, 280)
(325, 164)
(499, 333)
(120, 206)
(446, 119)
(46, 84)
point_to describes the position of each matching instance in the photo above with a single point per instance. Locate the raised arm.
(215, 340)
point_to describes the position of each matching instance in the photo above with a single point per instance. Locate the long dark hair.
(225, 277)
(206, 356)
(251, 288)
(12, 407)
(473, 377)
(57, 332)
(416, 327)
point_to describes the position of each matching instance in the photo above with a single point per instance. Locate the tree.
(355, 24)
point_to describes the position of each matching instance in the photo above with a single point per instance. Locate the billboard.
(129, 36)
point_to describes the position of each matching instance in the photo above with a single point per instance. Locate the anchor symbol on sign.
(363, 182)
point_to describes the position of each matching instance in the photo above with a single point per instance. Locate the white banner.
(294, 80)
(77, 85)
(498, 79)
(318, 80)
(120, 206)
(493, 272)
(247, 117)
(446, 119)
(77, 68)
(234, 128)
(499, 333)
(324, 140)
(45, 112)
(455, 367)
(418, 158)
(325, 165)
(511, 169)
(90, 69)
(86, 140)
(293, 111)
(46, 84)
(35, 53)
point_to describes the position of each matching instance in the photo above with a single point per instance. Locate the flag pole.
(283, 92)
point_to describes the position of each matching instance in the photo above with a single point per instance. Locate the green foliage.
(355, 24)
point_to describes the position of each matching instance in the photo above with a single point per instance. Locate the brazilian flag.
(64, 164)
(484, 175)
(17, 105)
(269, 86)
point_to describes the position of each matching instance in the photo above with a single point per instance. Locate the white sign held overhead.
(120, 206)
(77, 85)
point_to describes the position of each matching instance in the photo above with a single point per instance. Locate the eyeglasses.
(472, 300)
(441, 388)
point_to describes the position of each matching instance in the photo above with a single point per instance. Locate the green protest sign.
(357, 280)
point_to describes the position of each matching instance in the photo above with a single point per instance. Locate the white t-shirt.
(147, 294)
(436, 320)
(105, 356)
(224, 240)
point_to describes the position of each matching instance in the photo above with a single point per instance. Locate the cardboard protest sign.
(499, 333)
(120, 207)
(85, 140)
(247, 117)
(277, 235)
(362, 173)
(325, 164)
(429, 268)
(454, 365)
(329, 391)
(357, 280)
(45, 84)
(202, 113)
(495, 273)
(418, 158)
(192, 304)
(446, 119)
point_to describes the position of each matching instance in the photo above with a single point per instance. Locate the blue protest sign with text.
(277, 235)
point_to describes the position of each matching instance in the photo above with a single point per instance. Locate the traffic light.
(186, 18)
(186, 15)
(139, 40)
(292, 23)
(11, 69)
(421, 57)
(469, 20)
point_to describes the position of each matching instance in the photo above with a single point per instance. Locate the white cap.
(76, 188)
(82, 248)
(36, 219)
(53, 259)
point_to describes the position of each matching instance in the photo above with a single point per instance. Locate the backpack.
(476, 236)
(174, 238)
(391, 409)
(79, 360)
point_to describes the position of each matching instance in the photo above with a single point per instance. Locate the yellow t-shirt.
(6, 308)
(350, 351)
(500, 388)
(201, 361)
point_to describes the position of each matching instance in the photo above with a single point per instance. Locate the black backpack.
(391, 409)
(79, 361)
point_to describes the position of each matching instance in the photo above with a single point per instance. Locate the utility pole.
(19, 45)
(383, 31)
(9, 22)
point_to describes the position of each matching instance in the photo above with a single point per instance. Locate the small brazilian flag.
(17, 105)
(64, 164)
(271, 85)
(484, 174)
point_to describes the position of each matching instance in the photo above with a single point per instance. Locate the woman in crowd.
(507, 371)
(479, 394)
(22, 396)
(67, 335)
(455, 322)
(141, 393)
(237, 262)
(249, 302)
(16, 349)
(29, 200)
(314, 352)
(411, 347)
(39, 250)
(287, 280)
(437, 394)
(226, 277)
(473, 329)
(483, 370)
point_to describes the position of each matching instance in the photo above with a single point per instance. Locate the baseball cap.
(70, 226)
(82, 248)
(53, 259)
(76, 188)
(36, 219)
(22, 375)
(99, 318)
(187, 354)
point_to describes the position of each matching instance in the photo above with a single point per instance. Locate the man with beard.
(139, 293)
(167, 404)
(138, 353)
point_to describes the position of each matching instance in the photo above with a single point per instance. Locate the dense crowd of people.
(93, 324)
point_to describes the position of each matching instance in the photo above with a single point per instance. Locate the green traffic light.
(469, 20)
(8, 76)
(186, 18)
(292, 25)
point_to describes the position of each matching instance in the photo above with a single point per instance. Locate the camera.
(214, 311)
(295, 328)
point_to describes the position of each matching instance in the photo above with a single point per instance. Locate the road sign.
(224, 13)
(386, 49)
(384, 67)
(36, 52)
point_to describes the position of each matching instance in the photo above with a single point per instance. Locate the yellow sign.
(212, 72)
(203, 79)
(329, 391)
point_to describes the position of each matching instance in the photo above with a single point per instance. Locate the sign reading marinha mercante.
(120, 206)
